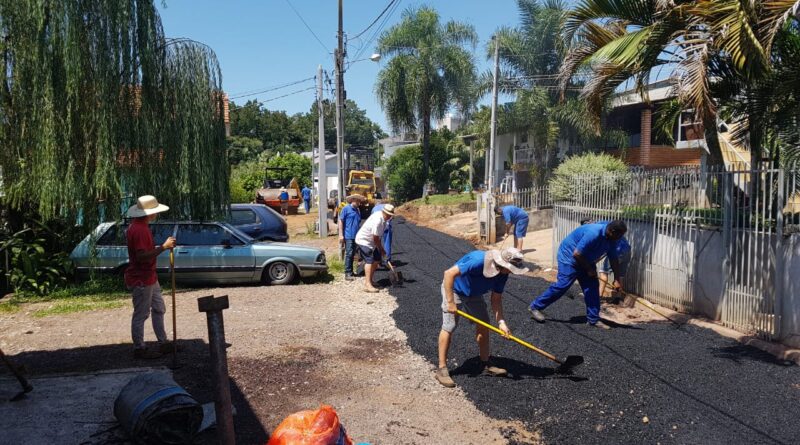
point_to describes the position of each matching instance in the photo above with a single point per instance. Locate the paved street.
(693, 385)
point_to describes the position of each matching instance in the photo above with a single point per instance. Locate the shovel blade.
(569, 364)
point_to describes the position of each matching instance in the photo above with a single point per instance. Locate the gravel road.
(646, 383)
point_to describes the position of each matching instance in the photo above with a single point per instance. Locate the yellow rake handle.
(510, 337)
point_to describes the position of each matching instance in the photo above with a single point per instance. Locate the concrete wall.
(790, 322)
(538, 220)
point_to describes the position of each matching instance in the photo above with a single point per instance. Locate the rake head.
(569, 364)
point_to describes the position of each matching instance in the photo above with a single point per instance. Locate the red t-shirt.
(140, 273)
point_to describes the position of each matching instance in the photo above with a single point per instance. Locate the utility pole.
(493, 136)
(340, 98)
(322, 187)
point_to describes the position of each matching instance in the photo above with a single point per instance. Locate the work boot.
(146, 354)
(349, 278)
(443, 377)
(600, 325)
(493, 371)
(537, 314)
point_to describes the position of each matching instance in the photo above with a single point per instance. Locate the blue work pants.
(387, 241)
(349, 253)
(307, 203)
(567, 274)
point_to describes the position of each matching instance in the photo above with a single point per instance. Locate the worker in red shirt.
(141, 279)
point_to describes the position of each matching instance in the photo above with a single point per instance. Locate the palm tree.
(429, 70)
(616, 41)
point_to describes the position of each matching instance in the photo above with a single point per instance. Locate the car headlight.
(320, 258)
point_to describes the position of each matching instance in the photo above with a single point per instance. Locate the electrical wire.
(307, 27)
(376, 19)
(378, 30)
(268, 89)
(259, 103)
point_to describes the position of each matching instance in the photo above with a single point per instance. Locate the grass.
(445, 200)
(335, 266)
(98, 294)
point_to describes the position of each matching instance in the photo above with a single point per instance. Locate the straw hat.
(388, 209)
(146, 205)
(510, 259)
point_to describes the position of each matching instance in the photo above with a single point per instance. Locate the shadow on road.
(517, 370)
(581, 319)
(740, 353)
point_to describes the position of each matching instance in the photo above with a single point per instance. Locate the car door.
(247, 221)
(207, 252)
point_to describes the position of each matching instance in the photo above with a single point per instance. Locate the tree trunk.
(426, 149)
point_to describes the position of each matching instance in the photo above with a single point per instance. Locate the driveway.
(647, 383)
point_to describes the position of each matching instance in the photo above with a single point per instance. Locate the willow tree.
(98, 106)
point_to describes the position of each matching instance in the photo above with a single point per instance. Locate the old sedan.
(206, 252)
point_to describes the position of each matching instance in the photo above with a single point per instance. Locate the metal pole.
(493, 135)
(339, 56)
(213, 308)
(322, 171)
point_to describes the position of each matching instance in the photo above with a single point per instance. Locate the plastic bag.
(313, 427)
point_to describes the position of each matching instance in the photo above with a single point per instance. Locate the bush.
(32, 268)
(589, 174)
(404, 168)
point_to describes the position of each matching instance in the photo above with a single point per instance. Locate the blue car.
(259, 222)
(206, 252)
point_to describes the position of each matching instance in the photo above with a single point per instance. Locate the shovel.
(564, 367)
(395, 277)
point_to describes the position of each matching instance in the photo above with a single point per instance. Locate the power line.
(259, 103)
(307, 27)
(378, 30)
(376, 19)
(268, 89)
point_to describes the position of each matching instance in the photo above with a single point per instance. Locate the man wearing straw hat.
(141, 278)
(463, 288)
(370, 247)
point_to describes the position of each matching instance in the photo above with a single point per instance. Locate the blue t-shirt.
(590, 240)
(351, 218)
(283, 196)
(472, 282)
(513, 214)
(306, 193)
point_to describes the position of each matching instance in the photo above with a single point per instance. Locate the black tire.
(279, 273)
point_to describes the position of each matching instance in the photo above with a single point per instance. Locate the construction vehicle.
(273, 183)
(361, 179)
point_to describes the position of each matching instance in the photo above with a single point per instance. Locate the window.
(114, 236)
(205, 235)
(161, 232)
(243, 216)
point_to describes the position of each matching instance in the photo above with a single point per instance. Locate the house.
(520, 158)
(331, 171)
(450, 121)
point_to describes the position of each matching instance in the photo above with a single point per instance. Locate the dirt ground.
(292, 348)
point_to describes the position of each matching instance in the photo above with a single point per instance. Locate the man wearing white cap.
(141, 278)
(463, 288)
(368, 240)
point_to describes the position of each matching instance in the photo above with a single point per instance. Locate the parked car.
(206, 252)
(259, 222)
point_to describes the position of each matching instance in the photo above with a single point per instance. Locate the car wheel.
(279, 273)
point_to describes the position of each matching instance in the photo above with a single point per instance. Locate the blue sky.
(262, 44)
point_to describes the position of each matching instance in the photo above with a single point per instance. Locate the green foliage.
(32, 268)
(588, 174)
(299, 167)
(446, 200)
(428, 70)
(246, 178)
(243, 148)
(98, 104)
(405, 168)
(100, 293)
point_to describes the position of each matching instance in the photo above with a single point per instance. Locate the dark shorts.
(369, 254)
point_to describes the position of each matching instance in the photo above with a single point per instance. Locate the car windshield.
(362, 181)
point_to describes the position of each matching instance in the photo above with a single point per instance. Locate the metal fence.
(532, 198)
(704, 240)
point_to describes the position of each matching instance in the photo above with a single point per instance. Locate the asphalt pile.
(646, 383)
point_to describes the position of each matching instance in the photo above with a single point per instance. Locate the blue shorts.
(369, 254)
(521, 228)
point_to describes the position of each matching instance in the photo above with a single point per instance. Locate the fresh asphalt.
(694, 386)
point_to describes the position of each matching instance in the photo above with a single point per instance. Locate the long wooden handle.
(174, 315)
(510, 337)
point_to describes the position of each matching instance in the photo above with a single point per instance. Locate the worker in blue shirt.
(306, 193)
(624, 253)
(463, 288)
(349, 223)
(577, 259)
(517, 220)
(284, 199)
(387, 234)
